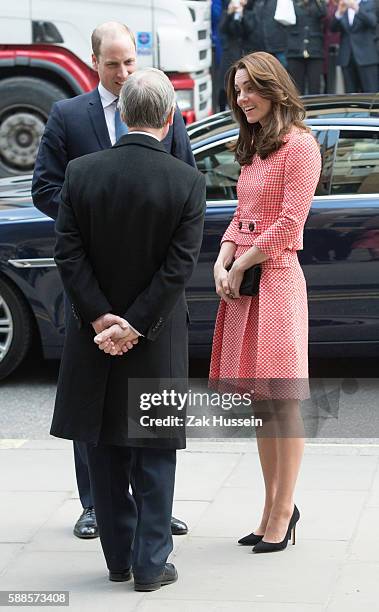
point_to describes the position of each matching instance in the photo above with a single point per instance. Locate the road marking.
(12, 443)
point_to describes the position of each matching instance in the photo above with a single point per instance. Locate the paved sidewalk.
(334, 566)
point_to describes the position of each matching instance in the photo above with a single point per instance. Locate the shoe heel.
(294, 535)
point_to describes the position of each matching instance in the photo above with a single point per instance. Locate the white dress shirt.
(350, 14)
(109, 102)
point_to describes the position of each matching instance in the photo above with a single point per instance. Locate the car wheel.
(15, 329)
(25, 103)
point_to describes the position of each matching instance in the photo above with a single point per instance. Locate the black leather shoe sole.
(120, 576)
(154, 586)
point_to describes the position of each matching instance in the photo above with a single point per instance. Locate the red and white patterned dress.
(265, 337)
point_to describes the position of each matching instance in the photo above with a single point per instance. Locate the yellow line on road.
(11, 443)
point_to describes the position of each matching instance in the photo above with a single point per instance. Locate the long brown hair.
(271, 81)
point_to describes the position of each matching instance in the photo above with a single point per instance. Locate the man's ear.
(94, 62)
(170, 119)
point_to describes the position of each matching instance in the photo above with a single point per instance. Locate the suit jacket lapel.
(97, 117)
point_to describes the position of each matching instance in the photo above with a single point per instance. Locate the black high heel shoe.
(263, 547)
(250, 540)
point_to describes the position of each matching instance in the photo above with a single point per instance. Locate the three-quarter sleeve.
(301, 175)
(232, 231)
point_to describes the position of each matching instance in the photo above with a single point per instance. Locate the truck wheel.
(25, 103)
(15, 329)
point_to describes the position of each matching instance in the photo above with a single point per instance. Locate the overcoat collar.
(141, 140)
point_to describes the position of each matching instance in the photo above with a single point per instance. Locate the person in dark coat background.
(269, 35)
(236, 30)
(127, 244)
(305, 45)
(358, 56)
(377, 32)
(331, 46)
(216, 12)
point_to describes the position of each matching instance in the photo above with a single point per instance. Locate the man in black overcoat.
(78, 126)
(129, 232)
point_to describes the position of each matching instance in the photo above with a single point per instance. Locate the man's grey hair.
(146, 99)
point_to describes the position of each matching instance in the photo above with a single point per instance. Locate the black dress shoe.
(250, 540)
(86, 525)
(168, 576)
(265, 547)
(178, 527)
(122, 576)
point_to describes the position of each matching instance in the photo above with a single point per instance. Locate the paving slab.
(317, 471)
(222, 570)
(200, 475)
(166, 605)
(219, 492)
(191, 512)
(232, 514)
(365, 545)
(38, 470)
(82, 574)
(22, 513)
(356, 589)
(325, 511)
(56, 533)
(373, 499)
(339, 473)
(7, 552)
(329, 515)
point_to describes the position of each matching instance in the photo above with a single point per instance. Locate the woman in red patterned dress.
(265, 338)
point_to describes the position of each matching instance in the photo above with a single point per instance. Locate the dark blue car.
(340, 257)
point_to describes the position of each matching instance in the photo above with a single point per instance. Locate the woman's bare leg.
(290, 449)
(268, 457)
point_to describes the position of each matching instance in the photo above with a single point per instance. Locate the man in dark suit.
(82, 125)
(129, 232)
(358, 56)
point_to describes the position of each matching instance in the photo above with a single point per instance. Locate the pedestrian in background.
(331, 46)
(358, 56)
(377, 32)
(236, 29)
(269, 35)
(216, 12)
(305, 45)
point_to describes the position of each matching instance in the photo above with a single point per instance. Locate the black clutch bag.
(250, 281)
